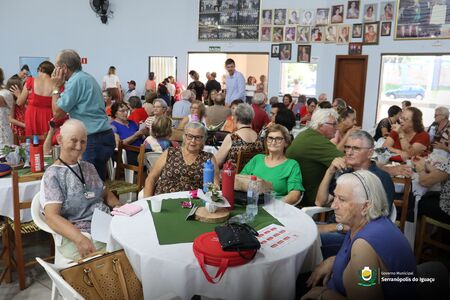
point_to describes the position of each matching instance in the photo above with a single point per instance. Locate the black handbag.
(238, 237)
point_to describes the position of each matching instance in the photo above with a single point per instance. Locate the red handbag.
(208, 251)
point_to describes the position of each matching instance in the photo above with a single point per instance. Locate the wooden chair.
(22, 228)
(402, 204)
(119, 187)
(243, 158)
(5, 254)
(425, 238)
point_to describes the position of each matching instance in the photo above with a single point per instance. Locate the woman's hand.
(15, 90)
(84, 246)
(419, 164)
(314, 293)
(321, 273)
(437, 145)
(396, 127)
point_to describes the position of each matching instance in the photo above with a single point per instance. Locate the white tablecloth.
(27, 190)
(174, 268)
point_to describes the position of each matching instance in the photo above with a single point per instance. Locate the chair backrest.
(63, 287)
(139, 169)
(19, 204)
(243, 158)
(37, 215)
(150, 159)
(403, 203)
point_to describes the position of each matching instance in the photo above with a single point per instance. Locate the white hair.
(320, 116)
(72, 125)
(443, 110)
(259, 98)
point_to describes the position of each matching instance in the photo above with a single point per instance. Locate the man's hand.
(58, 78)
(337, 164)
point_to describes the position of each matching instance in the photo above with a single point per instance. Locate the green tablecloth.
(172, 227)
(27, 170)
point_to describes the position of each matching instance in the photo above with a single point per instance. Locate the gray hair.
(244, 114)
(196, 125)
(135, 102)
(186, 95)
(273, 100)
(160, 101)
(68, 127)
(363, 135)
(320, 116)
(259, 98)
(443, 110)
(366, 186)
(70, 58)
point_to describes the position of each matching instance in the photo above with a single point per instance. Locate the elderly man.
(314, 152)
(82, 99)
(182, 108)
(439, 131)
(261, 118)
(235, 83)
(217, 113)
(322, 97)
(358, 153)
(131, 90)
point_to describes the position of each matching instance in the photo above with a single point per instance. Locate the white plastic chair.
(66, 291)
(312, 210)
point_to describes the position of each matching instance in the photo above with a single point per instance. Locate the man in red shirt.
(261, 118)
(138, 113)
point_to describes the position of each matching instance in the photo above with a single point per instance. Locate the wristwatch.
(339, 227)
(55, 92)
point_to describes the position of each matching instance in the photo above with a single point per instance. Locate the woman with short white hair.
(372, 247)
(439, 131)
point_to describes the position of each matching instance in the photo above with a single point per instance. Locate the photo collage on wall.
(228, 20)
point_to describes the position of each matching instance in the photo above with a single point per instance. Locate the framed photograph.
(208, 33)
(357, 31)
(247, 33)
(266, 17)
(370, 12)
(229, 5)
(343, 36)
(304, 54)
(322, 16)
(317, 34)
(337, 14)
(355, 48)
(293, 17)
(279, 17)
(285, 51)
(289, 34)
(265, 34)
(248, 17)
(371, 33)
(331, 34)
(386, 28)
(277, 34)
(303, 34)
(228, 18)
(209, 6)
(228, 33)
(387, 11)
(307, 18)
(353, 9)
(275, 50)
(422, 20)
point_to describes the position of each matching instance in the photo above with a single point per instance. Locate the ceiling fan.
(101, 8)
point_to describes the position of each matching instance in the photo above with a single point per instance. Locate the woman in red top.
(307, 110)
(409, 138)
(38, 94)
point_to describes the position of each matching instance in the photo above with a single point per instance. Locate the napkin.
(126, 210)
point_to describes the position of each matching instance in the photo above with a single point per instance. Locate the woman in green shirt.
(282, 172)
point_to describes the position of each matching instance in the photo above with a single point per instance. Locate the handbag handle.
(91, 277)
(90, 256)
(222, 268)
(122, 281)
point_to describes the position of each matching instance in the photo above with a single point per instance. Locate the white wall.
(140, 29)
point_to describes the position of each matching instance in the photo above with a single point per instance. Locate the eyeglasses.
(355, 149)
(191, 137)
(331, 124)
(277, 139)
(435, 115)
(123, 110)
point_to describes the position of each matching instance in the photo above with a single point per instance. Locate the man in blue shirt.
(182, 108)
(82, 99)
(235, 83)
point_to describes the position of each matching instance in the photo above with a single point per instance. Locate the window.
(298, 79)
(162, 66)
(422, 79)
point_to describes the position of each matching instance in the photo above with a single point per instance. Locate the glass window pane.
(298, 79)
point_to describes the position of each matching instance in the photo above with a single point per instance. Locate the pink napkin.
(126, 210)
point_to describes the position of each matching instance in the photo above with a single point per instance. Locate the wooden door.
(350, 81)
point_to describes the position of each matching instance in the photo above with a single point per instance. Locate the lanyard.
(81, 178)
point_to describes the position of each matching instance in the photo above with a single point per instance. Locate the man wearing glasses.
(314, 152)
(358, 153)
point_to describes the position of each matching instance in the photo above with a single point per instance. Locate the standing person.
(82, 99)
(235, 83)
(150, 84)
(250, 89)
(261, 118)
(170, 86)
(24, 73)
(6, 106)
(213, 84)
(37, 94)
(17, 118)
(196, 85)
(111, 83)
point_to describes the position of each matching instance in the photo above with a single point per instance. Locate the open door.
(350, 81)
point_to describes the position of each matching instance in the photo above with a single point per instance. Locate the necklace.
(244, 127)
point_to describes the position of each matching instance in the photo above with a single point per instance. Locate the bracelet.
(321, 293)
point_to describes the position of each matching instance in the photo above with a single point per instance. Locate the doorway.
(350, 81)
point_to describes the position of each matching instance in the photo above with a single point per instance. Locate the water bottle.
(27, 148)
(252, 199)
(208, 174)
(432, 133)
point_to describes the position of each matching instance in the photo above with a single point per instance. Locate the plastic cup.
(156, 205)
(269, 198)
(297, 124)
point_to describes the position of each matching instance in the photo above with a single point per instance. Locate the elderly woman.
(288, 101)
(307, 110)
(70, 192)
(138, 113)
(125, 130)
(439, 131)
(243, 139)
(159, 138)
(339, 104)
(282, 172)
(230, 124)
(198, 114)
(372, 246)
(385, 125)
(181, 169)
(346, 126)
(159, 109)
(409, 138)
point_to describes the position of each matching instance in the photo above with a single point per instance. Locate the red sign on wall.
(84, 60)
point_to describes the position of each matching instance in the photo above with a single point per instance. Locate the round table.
(173, 269)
